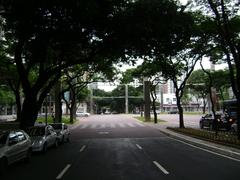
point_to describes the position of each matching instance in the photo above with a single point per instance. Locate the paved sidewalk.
(205, 145)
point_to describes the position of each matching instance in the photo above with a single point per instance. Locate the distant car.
(173, 112)
(222, 121)
(15, 145)
(42, 137)
(82, 114)
(62, 131)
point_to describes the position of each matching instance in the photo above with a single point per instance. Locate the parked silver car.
(15, 145)
(82, 114)
(42, 137)
(62, 131)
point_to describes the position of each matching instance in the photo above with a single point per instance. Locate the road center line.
(160, 167)
(63, 171)
(138, 146)
(82, 148)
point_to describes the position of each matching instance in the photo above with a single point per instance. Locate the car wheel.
(44, 150)
(201, 125)
(68, 140)
(28, 155)
(3, 165)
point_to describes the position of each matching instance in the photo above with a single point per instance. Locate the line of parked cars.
(18, 145)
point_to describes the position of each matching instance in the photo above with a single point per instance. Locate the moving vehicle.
(62, 131)
(42, 137)
(15, 145)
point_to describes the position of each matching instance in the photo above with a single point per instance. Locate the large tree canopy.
(49, 36)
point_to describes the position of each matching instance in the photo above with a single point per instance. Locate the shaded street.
(119, 147)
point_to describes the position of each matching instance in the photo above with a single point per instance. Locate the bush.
(224, 138)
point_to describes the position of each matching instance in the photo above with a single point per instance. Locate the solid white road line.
(93, 126)
(82, 148)
(121, 125)
(160, 167)
(63, 171)
(131, 125)
(139, 124)
(218, 154)
(138, 146)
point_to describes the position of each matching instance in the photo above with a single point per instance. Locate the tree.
(197, 82)
(179, 69)
(76, 79)
(50, 36)
(221, 81)
(153, 72)
(225, 18)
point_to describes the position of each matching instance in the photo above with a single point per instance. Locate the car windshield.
(3, 138)
(36, 131)
(57, 126)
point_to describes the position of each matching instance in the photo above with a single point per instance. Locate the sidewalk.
(206, 145)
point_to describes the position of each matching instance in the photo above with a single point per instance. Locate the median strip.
(61, 174)
(160, 167)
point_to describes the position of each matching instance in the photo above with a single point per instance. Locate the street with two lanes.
(117, 147)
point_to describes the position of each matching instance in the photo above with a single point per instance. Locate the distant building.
(168, 101)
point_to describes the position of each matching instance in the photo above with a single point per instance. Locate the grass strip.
(223, 138)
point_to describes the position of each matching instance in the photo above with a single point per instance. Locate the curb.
(230, 152)
(216, 148)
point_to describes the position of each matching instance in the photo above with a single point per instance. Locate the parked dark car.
(222, 121)
(15, 145)
(173, 112)
(62, 131)
(42, 137)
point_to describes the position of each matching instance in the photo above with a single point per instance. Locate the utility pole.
(91, 99)
(126, 98)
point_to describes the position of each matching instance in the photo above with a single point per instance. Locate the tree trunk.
(154, 111)
(73, 107)
(58, 102)
(147, 101)
(19, 104)
(71, 115)
(204, 106)
(29, 113)
(180, 111)
(153, 94)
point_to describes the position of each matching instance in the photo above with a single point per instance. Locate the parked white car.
(62, 131)
(82, 114)
(42, 137)
(15, 145)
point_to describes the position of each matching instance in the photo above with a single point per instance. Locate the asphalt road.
(117, 147)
